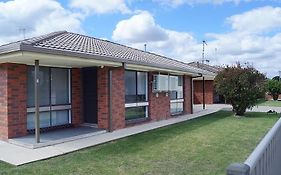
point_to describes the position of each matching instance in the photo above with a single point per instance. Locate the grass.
(203, 146)
(263, 102)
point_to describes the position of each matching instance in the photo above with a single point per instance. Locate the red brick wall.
(76, 96)
(198, 92)
(13, 116)
(159, 107)
(102, 89)
(187, 89)
(118, 98)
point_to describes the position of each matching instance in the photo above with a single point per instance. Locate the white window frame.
(57, 107)
(141, 104)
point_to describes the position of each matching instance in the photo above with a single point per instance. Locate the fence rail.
(265, 159)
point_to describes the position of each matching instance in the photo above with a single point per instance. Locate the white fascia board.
(156, 69)
(24, 57)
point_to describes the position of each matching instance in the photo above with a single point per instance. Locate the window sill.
(177, 114)
(138, 120)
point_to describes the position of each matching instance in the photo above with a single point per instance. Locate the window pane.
(176, 108)
(59, 86)
(180, 87)
(60, 117)
(142, 86)
(135, 112)
(163, 82)
(130, 87)
(180, 107)
(44, 120)
(173, 108)
(173, 84)
(175, 87)
(44, 85)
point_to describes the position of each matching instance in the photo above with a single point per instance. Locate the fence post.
(238, 169)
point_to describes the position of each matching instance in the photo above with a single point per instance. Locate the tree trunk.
(240, 111)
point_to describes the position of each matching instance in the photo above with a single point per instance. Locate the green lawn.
(204, 146)
(263, 102)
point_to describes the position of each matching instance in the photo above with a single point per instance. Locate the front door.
(90, 94)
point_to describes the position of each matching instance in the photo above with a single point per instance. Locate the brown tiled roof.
(73, 44)
(213, 69)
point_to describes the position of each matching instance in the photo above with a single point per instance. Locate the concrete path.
(18, 155)
(265, 109)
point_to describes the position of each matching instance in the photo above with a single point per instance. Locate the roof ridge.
(34, 40)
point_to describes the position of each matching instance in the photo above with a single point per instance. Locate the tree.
(240, 86)
(274, 88)
(277, 78)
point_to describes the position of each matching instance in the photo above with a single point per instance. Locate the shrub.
(274, 88)
(240, 86)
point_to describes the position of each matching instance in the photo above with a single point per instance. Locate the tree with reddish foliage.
(240, 86)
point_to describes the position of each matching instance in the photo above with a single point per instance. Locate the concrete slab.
(18, 155)
(56, 137)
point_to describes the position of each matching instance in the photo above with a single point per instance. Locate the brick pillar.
(187, 93)
(102, 90)
(3, 102)
(76, 96)
(13, 96)
(118, 98)
(159, 107)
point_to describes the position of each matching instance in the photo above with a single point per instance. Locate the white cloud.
(176, 3)
(245, 43)
(264, 19)
(101, 6)
(40, 17)
(141, 29)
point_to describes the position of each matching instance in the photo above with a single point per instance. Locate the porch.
(57, 137)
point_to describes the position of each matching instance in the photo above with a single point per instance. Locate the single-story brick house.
(82, 79)
(208, 93)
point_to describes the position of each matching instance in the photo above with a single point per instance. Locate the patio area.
(56, 137)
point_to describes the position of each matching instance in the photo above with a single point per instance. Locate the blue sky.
(197, 19)
(248, 31)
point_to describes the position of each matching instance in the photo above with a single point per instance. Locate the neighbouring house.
(269, 97)
(82, 79)
(204, 91)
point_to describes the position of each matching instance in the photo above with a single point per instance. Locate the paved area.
(19, 155)
(56, 136)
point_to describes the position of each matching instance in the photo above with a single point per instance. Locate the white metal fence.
(265, 159)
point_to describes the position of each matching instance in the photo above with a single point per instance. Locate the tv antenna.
(23, 31)
(204, 43)
(145, 45)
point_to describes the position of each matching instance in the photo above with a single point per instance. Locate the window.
(135, 87)
(54, 94)
(135, 95)
(176, 94)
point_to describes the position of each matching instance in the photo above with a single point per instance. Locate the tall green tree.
(240, 86)
(274, 88)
